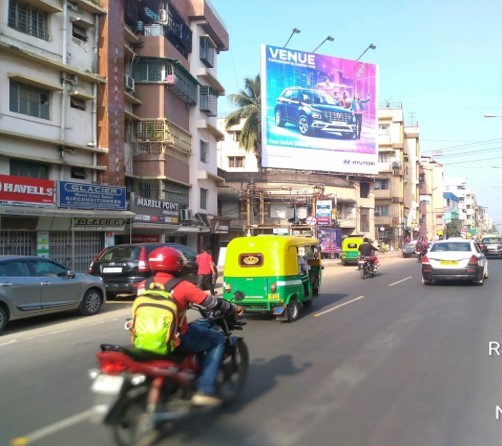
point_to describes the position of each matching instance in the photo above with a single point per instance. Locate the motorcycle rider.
(196, 336)
(366, 249)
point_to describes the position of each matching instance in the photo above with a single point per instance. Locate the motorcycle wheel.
(136, 427)
(363, 272)
(233, 373)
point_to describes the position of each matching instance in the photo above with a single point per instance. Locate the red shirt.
(183, 294)
(205, 262)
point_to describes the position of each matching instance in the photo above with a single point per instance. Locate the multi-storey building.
(396, 185)
(108, 103)
(431, 208)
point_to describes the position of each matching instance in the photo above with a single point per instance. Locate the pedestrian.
(206, 270)
(358, 108)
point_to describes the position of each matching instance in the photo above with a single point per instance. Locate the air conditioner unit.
(129, 83)
(170, 79)
(186, 215)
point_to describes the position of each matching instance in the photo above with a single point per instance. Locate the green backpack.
(155, 318)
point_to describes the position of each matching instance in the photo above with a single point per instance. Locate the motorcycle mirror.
(238, 296)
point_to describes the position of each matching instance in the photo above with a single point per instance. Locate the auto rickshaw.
(263, 273)
(350, 250)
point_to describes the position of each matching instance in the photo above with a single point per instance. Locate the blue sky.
(442, 60)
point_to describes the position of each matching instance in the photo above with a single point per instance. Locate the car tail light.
(473, 260)
(94, 259)
(112, 366)
(273, 287)
(425, 260)
(143, 262)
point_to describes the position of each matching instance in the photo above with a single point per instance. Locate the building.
(431, 208)
(124, 94)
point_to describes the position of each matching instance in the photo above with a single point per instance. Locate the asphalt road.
(382, 361)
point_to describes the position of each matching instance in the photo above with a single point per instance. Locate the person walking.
(206, 270)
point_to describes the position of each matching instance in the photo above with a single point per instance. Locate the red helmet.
(166, 260)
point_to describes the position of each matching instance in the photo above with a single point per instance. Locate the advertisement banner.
(323, 212)
(25, 190)
(155, 211)
(91, 196)
(318, 112)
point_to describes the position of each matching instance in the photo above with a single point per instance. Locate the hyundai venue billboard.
(318, 112)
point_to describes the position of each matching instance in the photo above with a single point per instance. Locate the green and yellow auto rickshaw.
(350, 250)
(272, 273)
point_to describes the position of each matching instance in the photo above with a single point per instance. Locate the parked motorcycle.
(366, 267)
(138, 393)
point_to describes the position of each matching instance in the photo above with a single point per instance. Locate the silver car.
(454, 259)
(33, 286)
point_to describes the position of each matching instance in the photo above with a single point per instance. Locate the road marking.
(52, 428)
(399, 281)
(338, 306)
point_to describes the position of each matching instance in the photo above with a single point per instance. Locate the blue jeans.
(200, 337)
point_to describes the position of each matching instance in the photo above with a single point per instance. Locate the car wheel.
(3, 319)
(426, 281)
(293, 310)
(279, 118)
(304, 125)
(481, 280)
(91, 303)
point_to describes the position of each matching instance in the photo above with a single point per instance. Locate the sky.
(440, 59)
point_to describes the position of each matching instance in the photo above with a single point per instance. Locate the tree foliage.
(454, 228)
(248, 103)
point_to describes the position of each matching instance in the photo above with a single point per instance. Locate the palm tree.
(248, 102)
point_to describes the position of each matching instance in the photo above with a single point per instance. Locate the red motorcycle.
(138, 393)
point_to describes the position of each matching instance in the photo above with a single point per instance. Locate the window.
(77, 103)
(384, 157)
(31, 169)
(28, 100)
(382, 210)
(203, 198)
(149, 189)
(364, 189)
(29, 20)
(204, 150)
(207, 51)
(208, 100)
(79, 33)
(78, 172)
(382, 184)
(235, 161)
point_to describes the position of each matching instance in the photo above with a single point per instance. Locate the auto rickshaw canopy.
(265, 255)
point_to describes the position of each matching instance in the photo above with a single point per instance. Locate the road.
(381, 362)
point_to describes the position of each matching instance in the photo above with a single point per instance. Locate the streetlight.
(489, 115)
(295, 31)
(370, 47)
(327, 38)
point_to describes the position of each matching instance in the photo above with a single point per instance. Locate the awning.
(53, 212)
(155, 226)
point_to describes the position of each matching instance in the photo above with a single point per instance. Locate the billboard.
(318, 112)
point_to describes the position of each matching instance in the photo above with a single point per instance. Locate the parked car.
(123, 267)
(33, 286)
(454, 259)
(492, 246)
(313, 110)
(408, 249)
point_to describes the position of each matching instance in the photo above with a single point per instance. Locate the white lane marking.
(399, 281)
(56, 427)
(339, 306)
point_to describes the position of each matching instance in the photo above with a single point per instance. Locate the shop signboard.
(24, 191)
(74, 195)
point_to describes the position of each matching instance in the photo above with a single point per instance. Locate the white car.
(454, 259)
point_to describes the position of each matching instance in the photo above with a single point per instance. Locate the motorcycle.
(421, 254)
(366, 267)
(138, 393)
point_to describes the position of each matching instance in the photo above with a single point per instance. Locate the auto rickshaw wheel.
(293, 310)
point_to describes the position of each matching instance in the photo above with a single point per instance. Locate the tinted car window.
(13, 269)
(120, 253)
(46, 268)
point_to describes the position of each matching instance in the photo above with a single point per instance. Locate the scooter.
(138, 393)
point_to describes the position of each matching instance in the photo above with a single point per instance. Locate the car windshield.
(491, 240)
(453, 246)
(120, 253)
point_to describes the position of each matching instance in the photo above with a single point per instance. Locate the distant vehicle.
(123, 267)
(492, 246)
(314, 110)
(34, 286)
(408, 249)
(454, 259)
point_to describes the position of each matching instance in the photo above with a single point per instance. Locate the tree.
(248, 102)
(453, 229)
